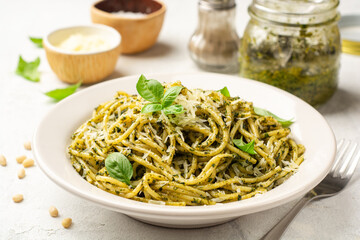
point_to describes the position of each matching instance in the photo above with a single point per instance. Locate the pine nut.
(28, 162)
(27, 145)
(53, 211)
(66, 222)
(21, 173)
(2, 160)
(21, 158)
(18, 198)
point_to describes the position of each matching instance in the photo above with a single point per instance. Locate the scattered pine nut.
(20, 159)
(21, 173)
(2, 160)
(54, 212)
(28, 162)
(66, 222)
(27, 145)
(18, 198)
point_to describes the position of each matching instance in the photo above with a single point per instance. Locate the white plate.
(310, 128)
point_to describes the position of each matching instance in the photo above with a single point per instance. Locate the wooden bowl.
(88, 67)
(138, 33)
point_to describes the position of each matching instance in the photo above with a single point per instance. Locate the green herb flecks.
(61, 93)
(119, 167)
(37, 41)
(263, 112)
(152, 91)
(29, 70)
(246, 147)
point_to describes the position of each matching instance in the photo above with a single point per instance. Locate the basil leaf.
(170, 96)
(249, 147)
(61, 93)
(119, 167)
(37, 41)
(263, 112)
(224, 91)
(173, 109)
(151, 107)
(150, 89)
(28, 70)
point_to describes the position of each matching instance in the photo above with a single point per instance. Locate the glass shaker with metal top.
(215, 44)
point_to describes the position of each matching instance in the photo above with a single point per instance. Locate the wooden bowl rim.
(108, 15)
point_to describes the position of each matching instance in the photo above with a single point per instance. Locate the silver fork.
(345, 163)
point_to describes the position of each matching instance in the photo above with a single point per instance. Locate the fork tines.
(348, 155)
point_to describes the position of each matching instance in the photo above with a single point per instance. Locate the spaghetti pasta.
(188, 158)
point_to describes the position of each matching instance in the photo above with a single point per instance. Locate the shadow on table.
(248, 227)
(160, 49)
(342, 101)
(115, 74)
(218, 232)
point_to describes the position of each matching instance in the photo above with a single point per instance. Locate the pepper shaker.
(214, 46)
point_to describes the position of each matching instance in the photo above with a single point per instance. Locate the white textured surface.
(22, 105)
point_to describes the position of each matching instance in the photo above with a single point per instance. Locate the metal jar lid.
(217, 4)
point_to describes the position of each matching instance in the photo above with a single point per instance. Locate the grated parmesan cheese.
(84, 43)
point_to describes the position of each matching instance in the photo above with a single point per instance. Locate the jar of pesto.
(293, 45)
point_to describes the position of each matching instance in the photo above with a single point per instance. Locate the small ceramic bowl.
(89, 66)
(139, 32)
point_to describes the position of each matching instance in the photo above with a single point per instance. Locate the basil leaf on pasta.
(224, 91)
(263, 112)
(151, 107)
(29, 70)
(173, 109)
(249, 147)
(150, 89)
(170, 96)
(119, 167)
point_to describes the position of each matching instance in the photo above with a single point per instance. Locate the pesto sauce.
(315, 89)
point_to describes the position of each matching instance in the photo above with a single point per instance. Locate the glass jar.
(293, 45)
(214, 46)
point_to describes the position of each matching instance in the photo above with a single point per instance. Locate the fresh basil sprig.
(263, 112)
(29, 70)
(152, 91)
(61, 93)
(224, 91)
(37, 41)
(119, 167)
(249, 147)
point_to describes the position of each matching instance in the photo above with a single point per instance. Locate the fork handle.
(277, 231)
